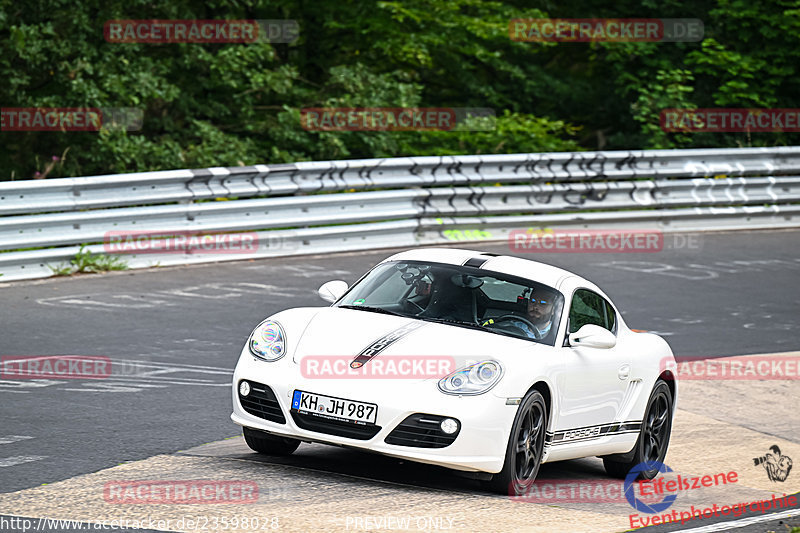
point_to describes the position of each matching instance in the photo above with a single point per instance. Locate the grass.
(87, 262)
(61, 270)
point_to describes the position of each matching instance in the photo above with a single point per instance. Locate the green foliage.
(240, 104)
(86, 262)
(669, 90)
(61, 270)
(513, 133)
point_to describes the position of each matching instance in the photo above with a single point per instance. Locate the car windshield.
(460, 295)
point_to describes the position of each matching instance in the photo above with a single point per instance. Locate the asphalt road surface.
(174, 334)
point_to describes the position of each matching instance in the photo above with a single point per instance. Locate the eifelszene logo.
(637, 503)
(777, 466)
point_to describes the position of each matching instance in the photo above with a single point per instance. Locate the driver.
(539, 312)
(422, 287)
(420, 295)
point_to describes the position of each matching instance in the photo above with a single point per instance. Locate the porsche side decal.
(382, 343)
(568, 436)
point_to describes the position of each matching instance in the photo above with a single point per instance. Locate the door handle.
(624, 371)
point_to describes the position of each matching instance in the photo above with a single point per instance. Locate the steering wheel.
(536, 334)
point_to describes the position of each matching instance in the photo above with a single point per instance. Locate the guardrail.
(318, 207)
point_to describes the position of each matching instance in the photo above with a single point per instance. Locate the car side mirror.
(592, 336)
(332, 290)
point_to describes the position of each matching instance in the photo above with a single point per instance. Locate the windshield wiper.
(373, 309)
(454, 323)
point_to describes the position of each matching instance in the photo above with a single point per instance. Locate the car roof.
(506, 264)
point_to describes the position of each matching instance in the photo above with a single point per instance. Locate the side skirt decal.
(568, 436)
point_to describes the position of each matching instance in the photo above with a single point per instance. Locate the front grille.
(334, 427)
(422, 431)
(261, 402)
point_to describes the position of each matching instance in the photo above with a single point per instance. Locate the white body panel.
(593, 392)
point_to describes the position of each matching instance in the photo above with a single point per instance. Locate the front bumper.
(479, 447)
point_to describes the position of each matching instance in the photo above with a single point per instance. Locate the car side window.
(611, 317)
(590, 308)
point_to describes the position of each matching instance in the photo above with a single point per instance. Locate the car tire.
(269, 444)
(525, 448)
(653, 438)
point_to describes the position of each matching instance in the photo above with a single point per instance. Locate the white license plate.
(335, 408)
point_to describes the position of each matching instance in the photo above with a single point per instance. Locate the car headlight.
(268, 342)
(474, 379)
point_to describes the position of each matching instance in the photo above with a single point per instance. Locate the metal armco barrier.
(320, 207)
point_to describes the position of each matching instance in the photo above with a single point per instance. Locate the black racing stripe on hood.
(379, 345)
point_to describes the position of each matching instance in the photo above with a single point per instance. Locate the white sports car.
(473, 361)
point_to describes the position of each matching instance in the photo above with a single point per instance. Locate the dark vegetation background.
(239, 104)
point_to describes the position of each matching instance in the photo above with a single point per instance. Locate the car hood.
(347, 333)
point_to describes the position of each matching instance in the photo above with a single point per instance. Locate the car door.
(592, 382)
